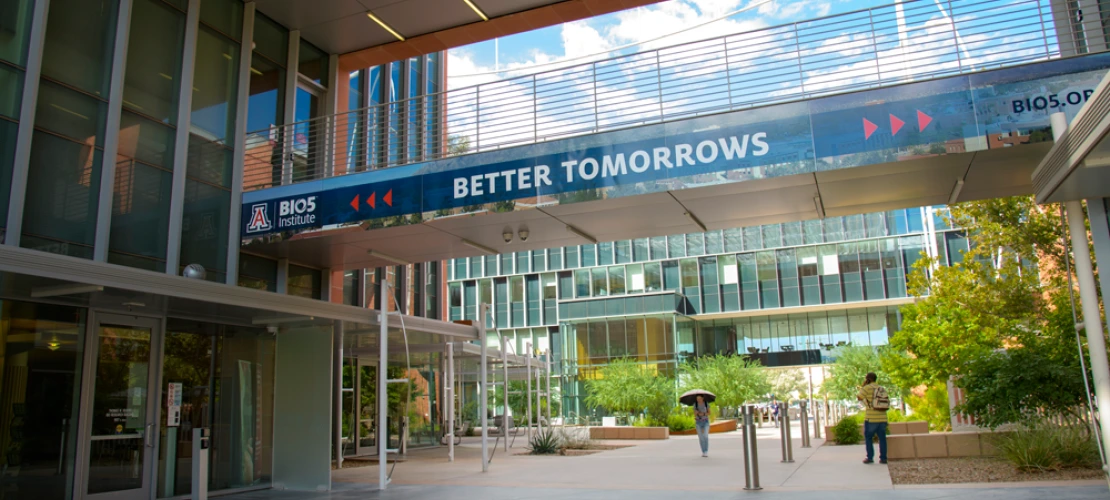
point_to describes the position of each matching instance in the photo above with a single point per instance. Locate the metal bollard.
(784, 423)
(817, 422)
(805, 423)
(751, 455)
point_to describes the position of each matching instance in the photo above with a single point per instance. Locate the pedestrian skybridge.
(900, 106)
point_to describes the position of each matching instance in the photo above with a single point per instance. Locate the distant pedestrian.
(876, 402)
(775, 413)
(701, 422)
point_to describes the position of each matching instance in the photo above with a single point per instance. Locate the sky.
(599, 34)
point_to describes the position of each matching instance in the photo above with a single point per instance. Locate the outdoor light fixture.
(573, 230)
(477, 10)
(40, 292)
(819, 206)
(383, 25)
(523, 233)
(507, 234)
(693, 218)
(478, 246)
(956, 191)
(383, 256)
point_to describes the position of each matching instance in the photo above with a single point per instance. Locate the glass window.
(616, 280)
(313, 63)
(152, 78)
(753, 239)
(395, 124)
(78, 50)
(239, 408)
(834, 229)
(215, 87)
(204, 230)
(42, 350)
(16, 25)
(589, 255)
(714, 243)
(658, 247)
(727, 270)
(257, 272)
(600, 282)
(772, 235)
(813, 232)
(224, 15)
(304, 282)
(582, 283)
(792, 234)
(624, 251)
(539, 261)
(695, 244)
(139, 232)
(554, 259)
(671, 275)
(636, 278)
(653, 277)
(734, 240)
(676, 245)
(605, 254)
(523, 264)
(570, 256)
(640, 250)
(689, 272)
(62, 188)
(271, 39)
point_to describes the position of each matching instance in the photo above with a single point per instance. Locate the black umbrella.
(691, 397)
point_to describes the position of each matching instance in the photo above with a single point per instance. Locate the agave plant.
(544, 442)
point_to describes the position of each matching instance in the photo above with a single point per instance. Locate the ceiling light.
(507, 235)
(695, 220)
(956, 191)
(523, 233)
(40, 292)
(478, 246)
(383, 256)
(383, 25)
(819, 206)
(573, 230)
(477, 10)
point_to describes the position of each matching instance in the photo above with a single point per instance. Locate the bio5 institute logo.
(260, 220)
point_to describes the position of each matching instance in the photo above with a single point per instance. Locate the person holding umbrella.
(700, 400)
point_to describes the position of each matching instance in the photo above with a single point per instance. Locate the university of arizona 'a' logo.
(259, 220)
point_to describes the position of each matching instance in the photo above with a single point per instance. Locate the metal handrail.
(869, 48)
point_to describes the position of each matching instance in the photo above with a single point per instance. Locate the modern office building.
(788, 294)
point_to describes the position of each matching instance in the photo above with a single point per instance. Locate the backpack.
(880, 400)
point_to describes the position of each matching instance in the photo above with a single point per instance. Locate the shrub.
(544, 442)
(933, 408)
(847, 430)
(678, 422)
(1042, 447)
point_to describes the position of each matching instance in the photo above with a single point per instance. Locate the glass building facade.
(123, 139)
(786, 294)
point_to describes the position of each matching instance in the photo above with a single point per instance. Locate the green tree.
(852, 364)
(458, 145)
(786, 382)
(735, 380)
(626, 386)
(1000, 320)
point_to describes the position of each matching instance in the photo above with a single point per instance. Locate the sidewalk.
(659, 469)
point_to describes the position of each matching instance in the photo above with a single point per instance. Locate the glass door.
(121, 426)
(368, 408)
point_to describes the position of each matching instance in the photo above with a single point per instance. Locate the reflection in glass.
(39, 385)
(119, 412)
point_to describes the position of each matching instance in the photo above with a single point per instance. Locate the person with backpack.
(876, 402)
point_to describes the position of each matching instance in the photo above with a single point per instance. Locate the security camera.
(523, 233)
(507, 234)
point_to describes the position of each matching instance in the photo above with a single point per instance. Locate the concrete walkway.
(660, 469)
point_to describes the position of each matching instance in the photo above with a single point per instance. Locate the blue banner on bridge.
(959, 114)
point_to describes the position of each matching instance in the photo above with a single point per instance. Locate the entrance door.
(359, 407)
(122, 426)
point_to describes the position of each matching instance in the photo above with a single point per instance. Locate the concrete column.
(1088, 296)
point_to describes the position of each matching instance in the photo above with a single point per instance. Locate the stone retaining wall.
(628, 432)
(948, 444)
(714, 428)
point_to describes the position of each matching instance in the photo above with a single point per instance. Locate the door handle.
(146, 435)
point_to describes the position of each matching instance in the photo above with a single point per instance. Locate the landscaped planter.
(629, 432)
(714, 428)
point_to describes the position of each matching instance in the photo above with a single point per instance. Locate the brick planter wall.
(629, 432)
(714, 428)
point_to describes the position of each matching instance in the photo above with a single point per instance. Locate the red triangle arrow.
(895, 125)
(388, 198)
(370, 200)
(868, 129)
(354, 203)
(923, 120)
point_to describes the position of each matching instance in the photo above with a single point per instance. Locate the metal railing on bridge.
(909, 41)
